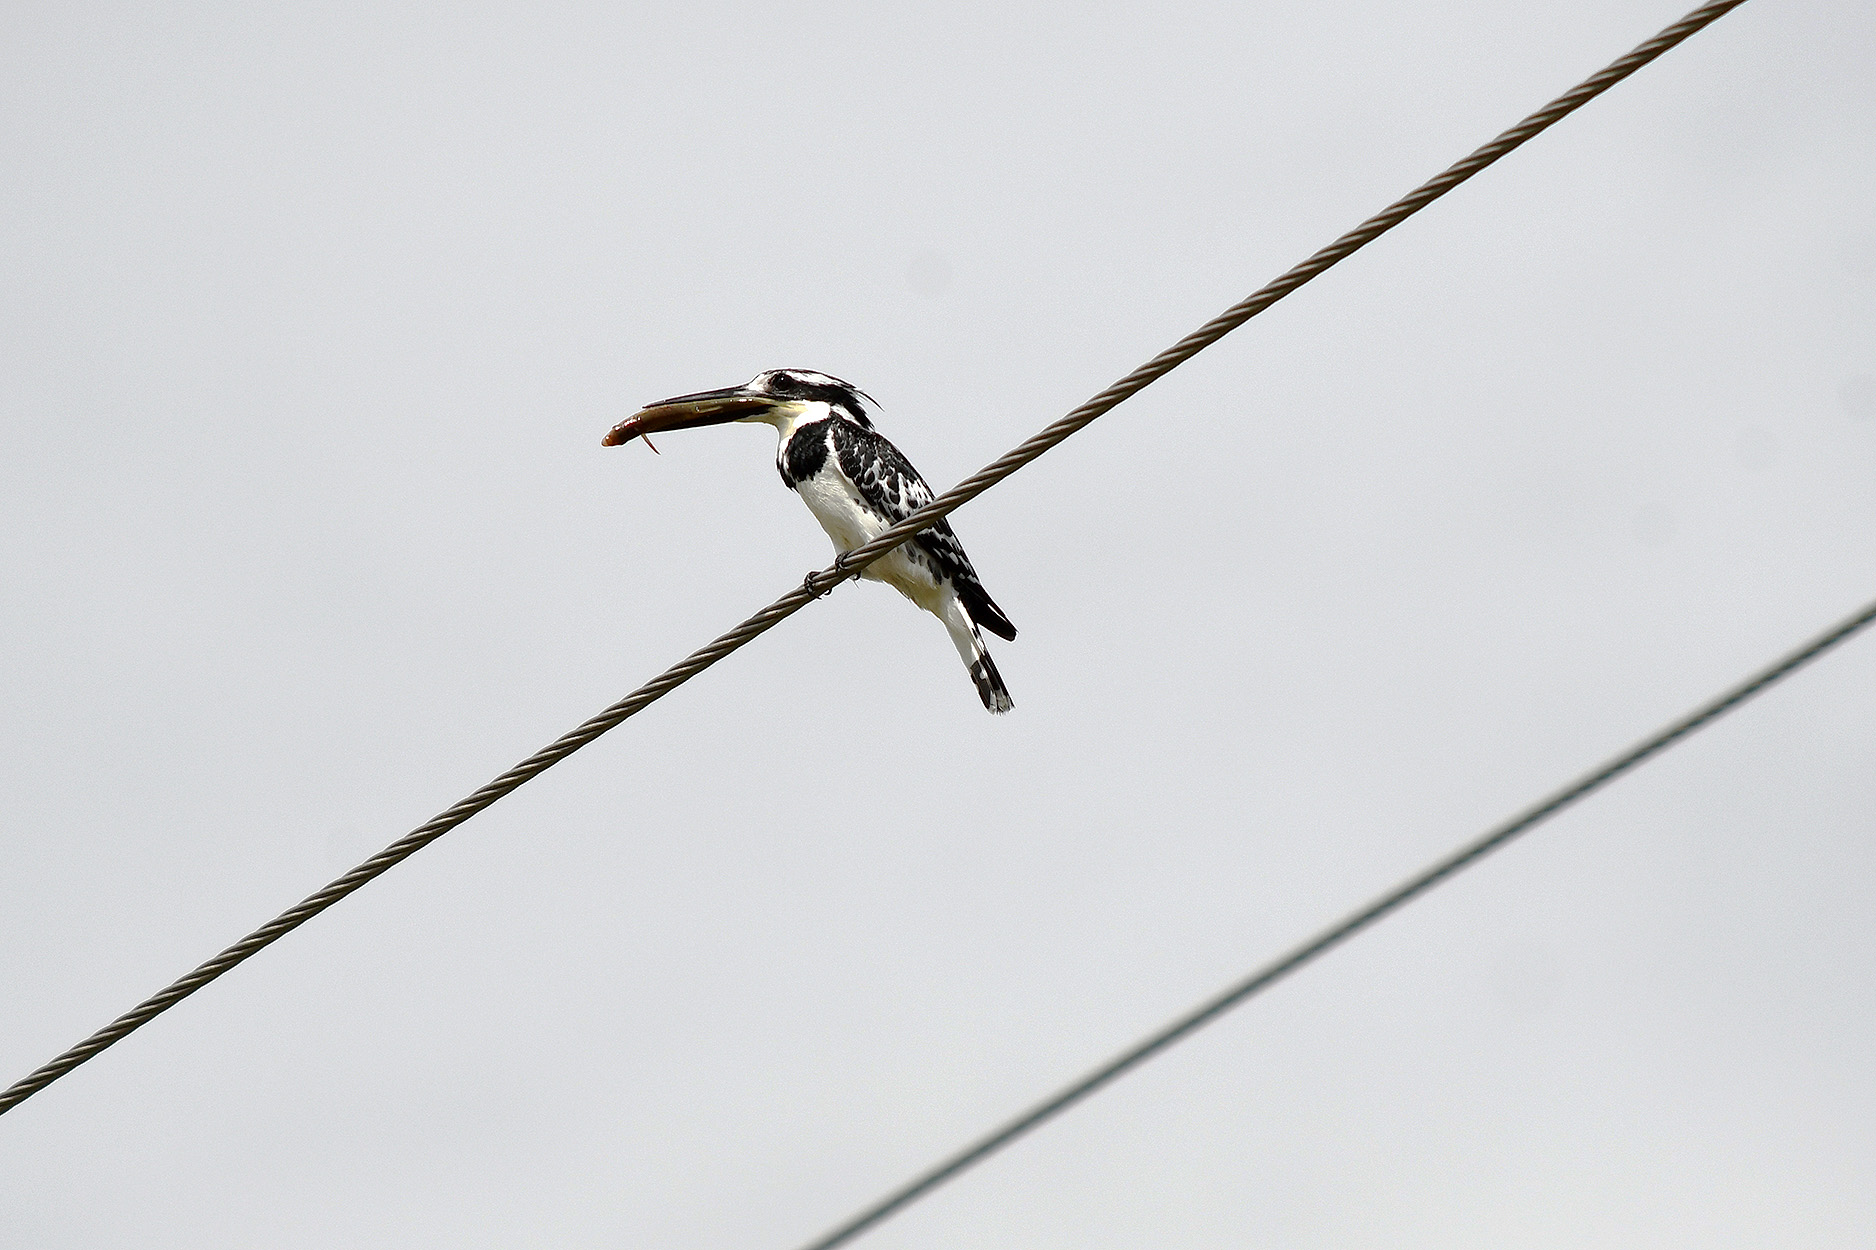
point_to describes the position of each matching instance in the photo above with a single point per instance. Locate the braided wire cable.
(855, 561)
(1327, 939)
(1235, 316)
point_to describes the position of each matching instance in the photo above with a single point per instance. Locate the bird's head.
(773, 396)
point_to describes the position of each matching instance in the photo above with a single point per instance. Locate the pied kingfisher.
(857, 485)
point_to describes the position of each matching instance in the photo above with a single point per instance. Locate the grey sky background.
(313, 318)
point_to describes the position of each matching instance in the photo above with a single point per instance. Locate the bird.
(857, 485)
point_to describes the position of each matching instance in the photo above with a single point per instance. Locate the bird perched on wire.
(857, 485)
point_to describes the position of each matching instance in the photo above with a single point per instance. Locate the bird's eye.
(783, 384)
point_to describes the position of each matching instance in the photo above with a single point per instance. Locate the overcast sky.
(311, 320)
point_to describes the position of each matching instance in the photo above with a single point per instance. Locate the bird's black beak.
(685, 411)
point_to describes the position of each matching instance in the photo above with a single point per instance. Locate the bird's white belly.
(850, 523)
(847, 521)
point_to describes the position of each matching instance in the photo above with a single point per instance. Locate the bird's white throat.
(787, 418)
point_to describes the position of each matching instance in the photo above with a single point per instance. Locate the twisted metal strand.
(857, 560)
(405, 847)
(1339, 932)
(1350, 243)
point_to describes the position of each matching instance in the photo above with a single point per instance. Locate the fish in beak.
(734, 403)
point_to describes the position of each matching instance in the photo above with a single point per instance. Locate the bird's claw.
(840, 567)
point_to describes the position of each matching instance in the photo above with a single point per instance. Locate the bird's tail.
(989, 682)
(970, 645)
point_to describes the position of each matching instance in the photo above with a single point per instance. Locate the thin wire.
(850, 565)
(1229, 320)
(1339, 932)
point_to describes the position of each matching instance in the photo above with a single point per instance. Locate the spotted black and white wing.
(890, 486)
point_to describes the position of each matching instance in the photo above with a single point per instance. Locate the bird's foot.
(840, 567)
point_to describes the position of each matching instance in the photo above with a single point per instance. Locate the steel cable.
(1339, 932)
(855, 561)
